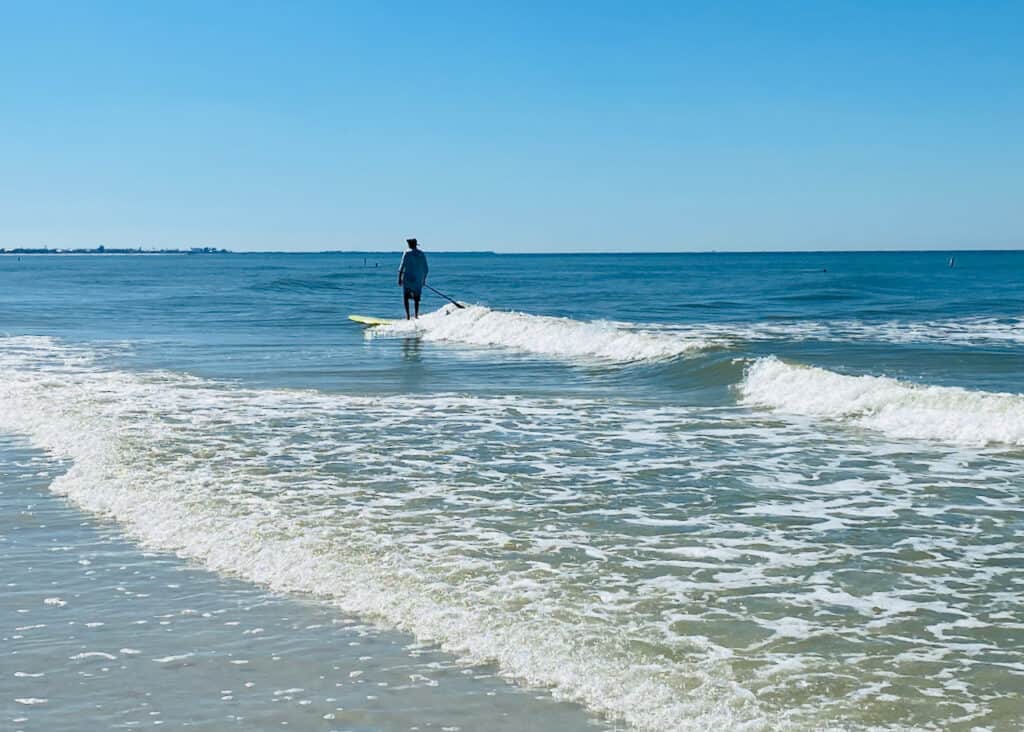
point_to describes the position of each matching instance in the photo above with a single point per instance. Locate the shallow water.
(789, 498)
(98, 634)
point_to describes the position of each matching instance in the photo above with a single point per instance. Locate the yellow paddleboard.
(367, 320)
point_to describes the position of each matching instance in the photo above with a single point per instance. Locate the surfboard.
(369, 320)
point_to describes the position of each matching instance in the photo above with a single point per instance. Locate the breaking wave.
(347, 498)
(897, 408)
(546, 336)
(619, 342)
(669, 566)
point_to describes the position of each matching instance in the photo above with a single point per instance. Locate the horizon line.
(56, 250)
(626, 251)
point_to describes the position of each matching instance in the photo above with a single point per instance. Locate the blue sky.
(513, 126)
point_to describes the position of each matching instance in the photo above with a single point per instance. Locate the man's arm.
(401, 269)
(426, 268)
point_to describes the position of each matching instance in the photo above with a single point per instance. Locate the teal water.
(774, 491)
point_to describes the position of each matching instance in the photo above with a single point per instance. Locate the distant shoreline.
(103, 250)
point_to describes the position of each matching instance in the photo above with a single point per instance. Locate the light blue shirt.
(413, 270)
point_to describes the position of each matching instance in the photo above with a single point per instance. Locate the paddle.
(453, 302)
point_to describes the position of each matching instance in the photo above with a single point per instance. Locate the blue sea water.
(694, 491)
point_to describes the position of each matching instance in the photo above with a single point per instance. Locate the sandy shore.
(96, 633)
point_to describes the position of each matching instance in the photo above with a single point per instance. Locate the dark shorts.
(412, 294)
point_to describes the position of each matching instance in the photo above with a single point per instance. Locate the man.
(412, 275)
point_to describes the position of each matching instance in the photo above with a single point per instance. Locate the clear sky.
(521, 126)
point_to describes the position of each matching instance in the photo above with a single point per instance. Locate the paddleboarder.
(412, 275)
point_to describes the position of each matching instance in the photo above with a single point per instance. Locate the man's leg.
(416, 299)
(405, 301)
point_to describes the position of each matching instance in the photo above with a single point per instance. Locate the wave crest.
(897, 408)
(545, 335)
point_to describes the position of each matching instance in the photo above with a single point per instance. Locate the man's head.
(412, 243)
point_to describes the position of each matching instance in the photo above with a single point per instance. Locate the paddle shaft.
(453, 302)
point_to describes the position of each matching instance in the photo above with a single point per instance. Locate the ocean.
(626, 492)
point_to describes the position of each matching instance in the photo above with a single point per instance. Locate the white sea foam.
(545, 335)
(970, 331)
(173, 658)
(897, 408)
(623, 342)
(210, 471)
(977, 330)
(664, 565)
(93, 654)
